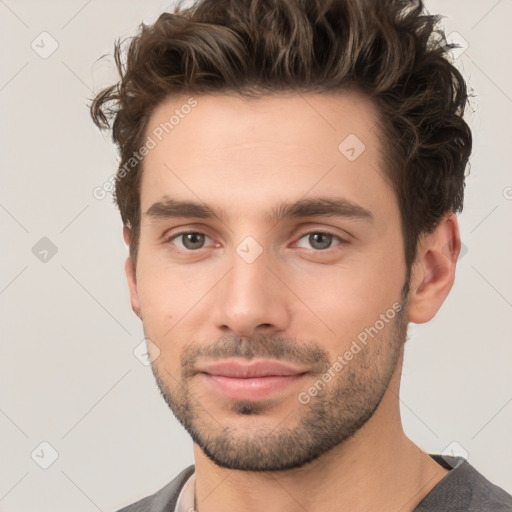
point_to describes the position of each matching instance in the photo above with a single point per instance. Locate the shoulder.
(464, 488)
(163, 500)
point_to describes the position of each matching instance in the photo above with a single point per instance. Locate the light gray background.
(67, 370)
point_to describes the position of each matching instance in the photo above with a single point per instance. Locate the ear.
(131, 275)
(433, 271)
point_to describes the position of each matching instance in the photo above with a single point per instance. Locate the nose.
(251, 299)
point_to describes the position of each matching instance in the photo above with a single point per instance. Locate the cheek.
(162, 308)
(172, 302)
(162, 303)
(350, 297)
(163, 290)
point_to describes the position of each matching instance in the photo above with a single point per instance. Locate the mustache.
(260, 346)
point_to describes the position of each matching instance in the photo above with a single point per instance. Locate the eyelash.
(341, 240)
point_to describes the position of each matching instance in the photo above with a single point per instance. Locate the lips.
(256, 369)
(254, 380)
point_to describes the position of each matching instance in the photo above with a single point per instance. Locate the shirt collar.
(185, 501)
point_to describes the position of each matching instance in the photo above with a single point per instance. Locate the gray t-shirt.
(463, 489)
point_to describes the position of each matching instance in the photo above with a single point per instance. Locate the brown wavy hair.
(392, 50)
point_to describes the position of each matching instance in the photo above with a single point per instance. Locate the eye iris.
(315, 238)
(193, 240)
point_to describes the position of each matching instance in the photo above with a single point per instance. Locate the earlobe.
(433, 272)
(131, 276)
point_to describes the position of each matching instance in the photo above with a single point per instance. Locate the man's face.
(249, 313)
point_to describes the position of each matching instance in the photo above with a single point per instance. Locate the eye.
(320, 241)
(190, 240)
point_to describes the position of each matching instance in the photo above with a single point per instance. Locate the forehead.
(225, 121)
(231, 149)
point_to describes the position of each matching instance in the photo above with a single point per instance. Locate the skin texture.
(294, 302)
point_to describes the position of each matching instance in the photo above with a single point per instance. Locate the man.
(289, 181)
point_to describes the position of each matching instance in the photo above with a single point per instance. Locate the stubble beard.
(331, 417)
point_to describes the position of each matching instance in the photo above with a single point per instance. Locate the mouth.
(255, 380)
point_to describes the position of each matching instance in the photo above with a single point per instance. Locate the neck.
(378, 468)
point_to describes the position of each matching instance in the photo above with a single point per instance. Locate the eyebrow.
(320, 206)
